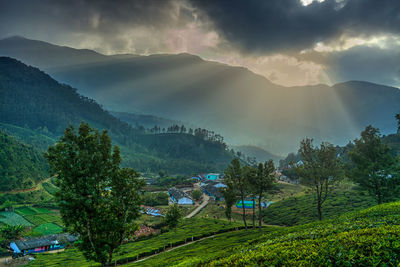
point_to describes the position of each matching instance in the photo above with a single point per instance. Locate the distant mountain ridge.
(260, 154)
(242, 106)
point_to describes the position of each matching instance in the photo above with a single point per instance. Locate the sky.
(290, 42)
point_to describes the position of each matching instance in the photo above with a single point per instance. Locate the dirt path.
(36, 187)
(200, 207)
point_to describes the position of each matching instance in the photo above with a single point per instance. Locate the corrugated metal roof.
(45, 241)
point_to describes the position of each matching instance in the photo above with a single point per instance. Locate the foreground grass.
(370, 237)
(188, 229)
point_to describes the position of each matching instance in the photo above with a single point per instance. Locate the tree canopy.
(372, 165)
(98, 200)
(320, 169)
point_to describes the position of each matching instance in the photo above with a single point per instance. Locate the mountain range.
(244, 107)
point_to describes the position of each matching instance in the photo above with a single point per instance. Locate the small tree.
(234, 176)
(230, 198)
(98, 200)
(173, 215)
(196, 194)
(320, 170)
(264, 181)
(11, 232)
(373, 167)
(398, 122)
(250, 174)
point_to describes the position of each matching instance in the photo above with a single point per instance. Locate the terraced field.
(13, 219)
(47, 229)
(45, 221)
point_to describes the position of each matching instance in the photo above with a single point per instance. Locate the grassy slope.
(368, 237)
(302, 209)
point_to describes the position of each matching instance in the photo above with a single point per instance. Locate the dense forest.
(36, 109)
(21, 166)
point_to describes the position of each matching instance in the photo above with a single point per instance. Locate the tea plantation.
(189, 229)
(369, 237)
(302, 209)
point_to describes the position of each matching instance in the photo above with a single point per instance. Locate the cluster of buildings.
(210, 184)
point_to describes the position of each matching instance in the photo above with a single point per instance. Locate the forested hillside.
(21, 166)
(37, 109)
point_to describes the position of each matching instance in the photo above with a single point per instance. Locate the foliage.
(11, 232)
(373, 167)
(301, 209)
(21, 166)
(173, 215)
(398, 122)
(156, 199)
(173, 181)
(30, 197)
(50, 187)
(196, 194)
(91, 182)
(320, 170)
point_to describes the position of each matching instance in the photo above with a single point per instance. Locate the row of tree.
(244, 181)
(198, 132)
(368, 162)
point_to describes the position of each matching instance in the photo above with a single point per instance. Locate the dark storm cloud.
(79, 14)
(270, 26)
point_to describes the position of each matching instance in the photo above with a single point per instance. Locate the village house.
(213, 192)
(213, 176)
(180, 197)
(42, 244)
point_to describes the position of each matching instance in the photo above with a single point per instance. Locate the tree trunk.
(254, 214)
(259, 212)
(244, 213)
(110, 255)
(319, 210)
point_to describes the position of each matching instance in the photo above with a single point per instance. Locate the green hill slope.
(21, 166)
(31, 101)
(302, 209)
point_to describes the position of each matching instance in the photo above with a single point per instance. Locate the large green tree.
(234, 176)
(372, 166)
(320, 169)
(98, 200)
(264, 181)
